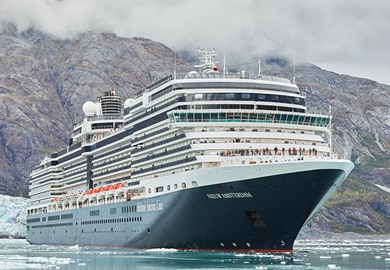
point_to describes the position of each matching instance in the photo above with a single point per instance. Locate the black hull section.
(263, 214)
(260, 214)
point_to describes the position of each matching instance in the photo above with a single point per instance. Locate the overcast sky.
(345, 36)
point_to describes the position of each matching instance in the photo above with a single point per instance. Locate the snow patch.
(383, 188)
(380, 145)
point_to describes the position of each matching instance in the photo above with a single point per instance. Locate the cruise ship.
(206, 160)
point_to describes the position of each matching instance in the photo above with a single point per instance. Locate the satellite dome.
(128, 102)
(89, 108)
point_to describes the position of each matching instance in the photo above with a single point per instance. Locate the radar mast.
(207, 61)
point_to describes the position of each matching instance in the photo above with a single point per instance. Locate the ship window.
(275, 97)
(245, 96)
(159, 189)
(261, 96)
(267, 130)
(229, 95)
(183, 185)
(175, 186)
(302, 132)
(279, 130)
(168, 187)
(194, 184)
(198, 96)
(149, 190)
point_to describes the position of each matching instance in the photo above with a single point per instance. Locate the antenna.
(224, 64)
(330, 128)
(260, 74)
(174, 71)
(294, 68)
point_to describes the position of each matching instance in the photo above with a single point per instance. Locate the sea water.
(308, 254)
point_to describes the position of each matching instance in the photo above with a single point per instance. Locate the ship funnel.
(110, 103)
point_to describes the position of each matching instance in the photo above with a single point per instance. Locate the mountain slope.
(44, 82)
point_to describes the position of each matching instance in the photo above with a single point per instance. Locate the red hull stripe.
(241, 250)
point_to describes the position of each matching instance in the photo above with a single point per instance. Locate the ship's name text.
(150, 206)
(232, 195)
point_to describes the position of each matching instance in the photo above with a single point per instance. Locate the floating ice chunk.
(75, 247)
(345, 255)
(378, 257)
(325, 257)
(333, 266)
(164, 250)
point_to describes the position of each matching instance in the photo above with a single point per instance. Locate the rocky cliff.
(44, 82)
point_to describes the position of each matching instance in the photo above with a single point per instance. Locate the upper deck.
(194, 80)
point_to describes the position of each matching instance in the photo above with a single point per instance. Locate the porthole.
(149, 190)
(194, 184)
(229, 95)
(169, 187)
(175, 186)
(183, 185)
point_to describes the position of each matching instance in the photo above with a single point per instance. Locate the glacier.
(12, 217)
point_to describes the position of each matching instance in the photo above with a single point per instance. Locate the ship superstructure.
(202, 160)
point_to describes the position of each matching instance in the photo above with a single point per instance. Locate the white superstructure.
(183, 123)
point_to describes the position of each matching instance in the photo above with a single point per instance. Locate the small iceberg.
(75, 247)
(345, 255)
(325, 257)
(162, 250)
(333, 266)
